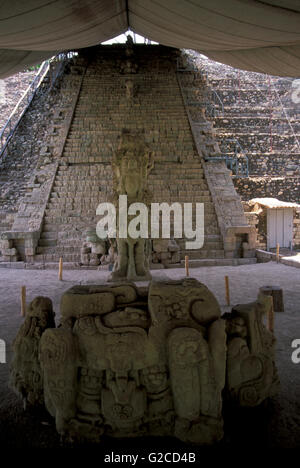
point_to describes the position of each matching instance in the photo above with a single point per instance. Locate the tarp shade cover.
(262, 36)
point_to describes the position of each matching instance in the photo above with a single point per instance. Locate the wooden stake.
(271, 317)
(60, 269)
(227, 290)
(186, 258)
(23, 301)
(277, 253)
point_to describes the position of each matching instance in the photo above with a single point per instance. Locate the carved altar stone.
(129, 361)
(251, 370)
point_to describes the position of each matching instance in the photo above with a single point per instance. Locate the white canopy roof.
(263, 36)
(273, 203)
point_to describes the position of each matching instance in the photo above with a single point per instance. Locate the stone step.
(54, 265)
(54, 219)
(250, 112)
(72, 192)
(85, 201)
(260, 119)
(65, 215)
(154, 178)
(47, 242)
(45, 258)
(48, 234)
(53, 227)
(175, 187)
(59, 250)
(205, 252)
(217, 262)
(83, 204)
(259, 133)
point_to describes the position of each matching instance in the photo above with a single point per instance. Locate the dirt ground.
(274, 424)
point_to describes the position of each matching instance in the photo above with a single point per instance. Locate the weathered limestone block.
(85, 258)
(240, 241)
(26, 375)
(12, 238)
(6, 244)
(10, 252)
(7, 250)
(251, 371)
(93, 249)
(165, 251)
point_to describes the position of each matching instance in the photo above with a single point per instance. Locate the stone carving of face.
(39, 316)
(155, 378)
(236, 326)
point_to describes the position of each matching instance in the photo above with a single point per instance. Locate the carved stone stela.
(131, 166)
(129, 361)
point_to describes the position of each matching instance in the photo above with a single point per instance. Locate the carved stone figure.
(129, 65)
(251, 371)
(26, 376)
(111, 256)
(131, 89)
(131, 165)
(129, 361)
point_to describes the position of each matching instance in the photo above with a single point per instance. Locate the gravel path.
(276, 424)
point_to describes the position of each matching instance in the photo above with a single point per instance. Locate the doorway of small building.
(279, 227)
